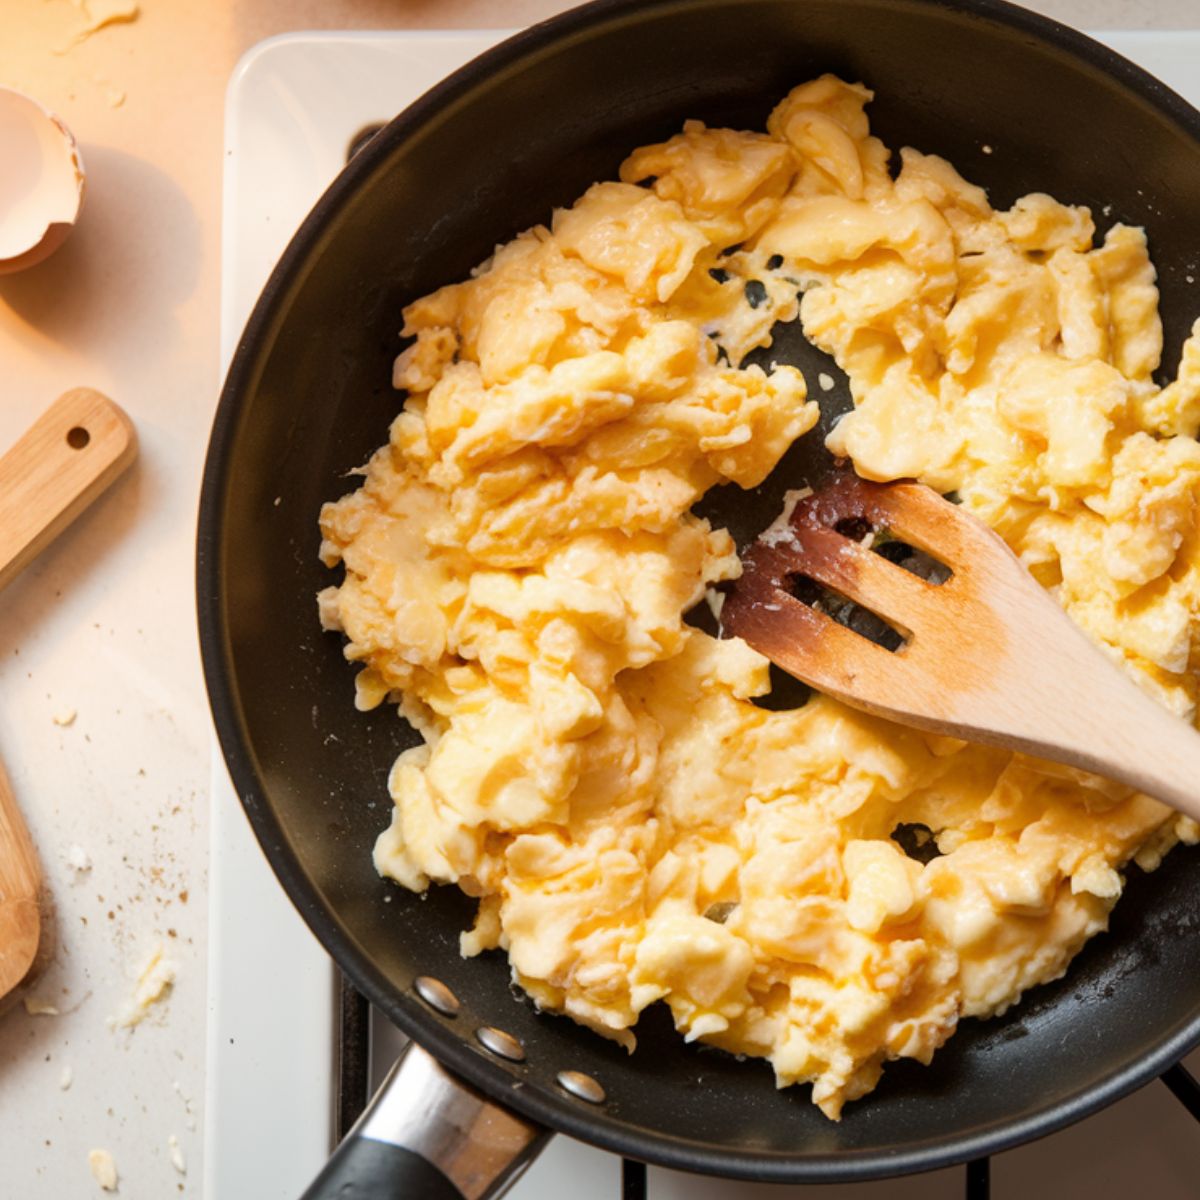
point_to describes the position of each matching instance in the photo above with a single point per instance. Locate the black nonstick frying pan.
(489, 152)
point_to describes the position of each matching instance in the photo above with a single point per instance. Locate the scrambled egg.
(520, 555)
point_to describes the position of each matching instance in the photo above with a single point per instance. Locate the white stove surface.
(293, 105)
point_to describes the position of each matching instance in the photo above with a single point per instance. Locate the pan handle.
(426, 1135)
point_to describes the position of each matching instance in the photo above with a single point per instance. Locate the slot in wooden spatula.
(66, 459)
(987, 655)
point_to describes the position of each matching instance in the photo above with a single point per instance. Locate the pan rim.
(535, 1100)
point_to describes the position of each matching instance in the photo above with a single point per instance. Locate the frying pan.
(527, 126)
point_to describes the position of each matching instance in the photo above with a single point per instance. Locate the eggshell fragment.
(42, 184)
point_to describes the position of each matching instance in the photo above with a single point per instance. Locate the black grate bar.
(633, 1180)
(353, 1062)
(1184, 1086)
(979, 1179)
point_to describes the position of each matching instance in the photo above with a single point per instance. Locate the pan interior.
(309, 398)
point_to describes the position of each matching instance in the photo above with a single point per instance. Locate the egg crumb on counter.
(520, 555)
(78, 859)
(95, 15)
(155, 980)
(104, 1169)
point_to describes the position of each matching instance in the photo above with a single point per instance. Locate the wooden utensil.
(67, 458)
(70, 454)
(20, 886)
(987, 655)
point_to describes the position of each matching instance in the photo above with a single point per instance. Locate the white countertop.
(103, 623)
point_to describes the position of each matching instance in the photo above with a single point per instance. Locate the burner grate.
(979, 1173)
(353, 1075)
(633, 1180)
(1184, 1087)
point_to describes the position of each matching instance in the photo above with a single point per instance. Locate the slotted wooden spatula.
(987, 655)
(66, 459)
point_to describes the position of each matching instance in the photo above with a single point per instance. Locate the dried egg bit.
(42, 184)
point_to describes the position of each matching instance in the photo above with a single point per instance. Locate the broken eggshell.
(41, 185)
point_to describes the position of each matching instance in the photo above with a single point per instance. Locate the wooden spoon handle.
(20, 884)
(78, 446)
(70, 454)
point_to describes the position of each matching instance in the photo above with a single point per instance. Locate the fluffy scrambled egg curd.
(520, 555)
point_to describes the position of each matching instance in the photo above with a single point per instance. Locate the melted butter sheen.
(520, 553)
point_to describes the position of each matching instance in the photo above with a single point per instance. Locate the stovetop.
(291, 1052)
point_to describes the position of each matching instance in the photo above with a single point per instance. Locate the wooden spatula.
(65, 460)
(987, 655)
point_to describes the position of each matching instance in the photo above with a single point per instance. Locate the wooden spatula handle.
(70, 454)
(1055, 695)
(1131, 739)
(1175, 777)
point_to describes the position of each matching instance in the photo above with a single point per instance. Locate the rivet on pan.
(436, 994)
(581, 1085)
(501, 1043)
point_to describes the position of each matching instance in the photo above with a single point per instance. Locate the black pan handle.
(363, 1169)
(426, 1135)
